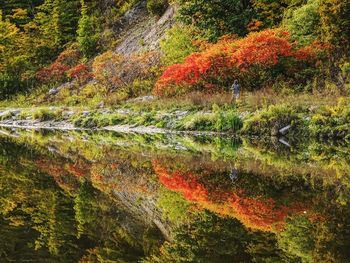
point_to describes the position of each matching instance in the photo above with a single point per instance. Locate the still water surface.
(108, 197)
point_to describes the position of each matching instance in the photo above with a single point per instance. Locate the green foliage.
(45, 114)
(207, 238)
(268, 12)
(217, 18)
(332, 122)
(227, 119)
(270, 120)
(173, 206)
(157, 7)
(298, 239)
(96, 120)
(86, 34)
(335, 23)
(220, 119)
(178, 44)
(199, 121)
(304, 22)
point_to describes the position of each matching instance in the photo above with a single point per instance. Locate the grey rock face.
(147, 32)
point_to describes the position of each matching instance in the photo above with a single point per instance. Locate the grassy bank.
(255, 114)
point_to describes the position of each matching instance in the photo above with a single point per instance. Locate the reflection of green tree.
(98, 220)
(85, 210)
(14, 244)
(35, 203)
(209, 238)
(39, 220)
(298, 238)
(173, 206)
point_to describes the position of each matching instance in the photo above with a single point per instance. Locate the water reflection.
(97, 197)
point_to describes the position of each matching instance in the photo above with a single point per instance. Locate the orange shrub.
(253, 59)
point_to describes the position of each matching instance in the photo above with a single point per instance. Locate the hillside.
(171, 65)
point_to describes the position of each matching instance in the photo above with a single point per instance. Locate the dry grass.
(252, 101)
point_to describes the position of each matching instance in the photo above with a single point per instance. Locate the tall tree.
(87, 38)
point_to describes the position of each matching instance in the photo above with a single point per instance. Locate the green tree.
(335, 22)
(178, 44)
(87, 37)
(303, 22)
(269, 12)
(14, 61)
(217, 18)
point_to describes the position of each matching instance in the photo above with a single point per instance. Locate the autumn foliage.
(258, 213)
(65, 67)
(115, 71)
(81, 73)
(248, 59)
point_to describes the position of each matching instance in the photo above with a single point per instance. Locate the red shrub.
(218, 64)
(55, 73)
(81, 73)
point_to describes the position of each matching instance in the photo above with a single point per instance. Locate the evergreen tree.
(87, 37)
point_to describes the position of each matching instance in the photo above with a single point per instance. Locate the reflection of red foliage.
(256, 213)
(227, 58)
(185, 183)
(261, 213)
(57, 171)
(51, 168)
(75, 170)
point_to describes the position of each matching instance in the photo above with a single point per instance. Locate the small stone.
(101, 104)
(285, 130)
(85, 113)
(53, 92)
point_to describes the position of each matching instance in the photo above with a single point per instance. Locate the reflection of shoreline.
(128, 129)
(271, 158)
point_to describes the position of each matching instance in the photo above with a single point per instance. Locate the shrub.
(81, 73)
(227, 119)
(45, 114)
(220, 120)
(157, 7)
(116, 71)
(97, 120)
(332, 122)
(270, 120)
(199, 121)
(255, 60)
(53, 74)
(57, 72)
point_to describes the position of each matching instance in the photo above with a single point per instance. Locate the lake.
(79, 196)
